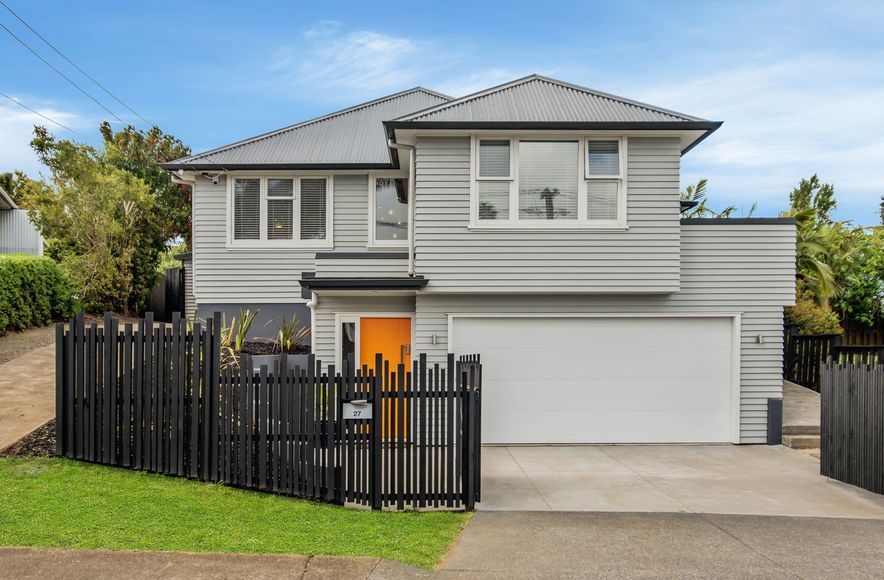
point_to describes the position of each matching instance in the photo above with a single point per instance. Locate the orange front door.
(392, 338)
(389, 336)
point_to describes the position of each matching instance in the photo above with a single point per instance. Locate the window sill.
(550, 228)
(277, 246)
(387, 247)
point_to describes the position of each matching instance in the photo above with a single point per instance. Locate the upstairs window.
(604, 179)
(548, 183)
(279, 211)
(548, 180)
(389, 223)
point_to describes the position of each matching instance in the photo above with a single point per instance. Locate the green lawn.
(68, 504)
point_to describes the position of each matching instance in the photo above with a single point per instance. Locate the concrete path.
(724, 479)
(801, 406)
(27, 393)
(42, 563)
(572, 545)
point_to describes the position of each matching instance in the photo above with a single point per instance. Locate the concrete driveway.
(717, 479)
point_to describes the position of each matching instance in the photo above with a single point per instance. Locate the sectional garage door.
(603, 379)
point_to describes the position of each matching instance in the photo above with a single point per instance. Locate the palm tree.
(816, 247)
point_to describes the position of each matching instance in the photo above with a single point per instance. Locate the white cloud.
(358, 63)
(17, 130)
(785, 120)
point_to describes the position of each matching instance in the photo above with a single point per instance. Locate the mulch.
(254, 348)
(38, 443)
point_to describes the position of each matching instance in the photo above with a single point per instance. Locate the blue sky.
(799, 85)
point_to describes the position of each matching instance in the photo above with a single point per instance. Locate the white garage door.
(603, 380)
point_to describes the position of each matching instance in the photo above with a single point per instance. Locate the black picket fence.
(803, 354)
(154, 397)
(852, 423)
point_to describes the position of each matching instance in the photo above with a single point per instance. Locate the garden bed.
(38, 443)
(264, 348)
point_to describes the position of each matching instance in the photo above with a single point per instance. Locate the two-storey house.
(536, 223)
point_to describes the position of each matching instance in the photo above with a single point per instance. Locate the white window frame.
(295, 242)
(620, 178)
(372, 211)
(581, 223)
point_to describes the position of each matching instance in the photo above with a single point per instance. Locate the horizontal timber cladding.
(361, 268)
(644, 258)
(262, 275)
(327, 306)
(753, 278)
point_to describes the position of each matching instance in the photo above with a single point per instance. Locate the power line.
(22, 105)
(64, 76)
(72, 63)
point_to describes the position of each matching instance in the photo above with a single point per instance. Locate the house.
(536, 223)
(17, 234)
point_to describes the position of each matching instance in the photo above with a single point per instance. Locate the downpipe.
(412, 170)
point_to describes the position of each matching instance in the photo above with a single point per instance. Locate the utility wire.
(22, 105)
(64, 76)
(73, 64)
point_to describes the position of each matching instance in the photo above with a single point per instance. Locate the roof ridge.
(538, 77)
(309, 122)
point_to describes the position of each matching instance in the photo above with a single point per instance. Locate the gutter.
(412, 170)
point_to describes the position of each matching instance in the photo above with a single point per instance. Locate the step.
(801, 441)
(801, 429)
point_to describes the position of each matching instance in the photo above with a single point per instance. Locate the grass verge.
(52, 502)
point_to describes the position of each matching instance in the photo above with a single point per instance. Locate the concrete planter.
(268, 360)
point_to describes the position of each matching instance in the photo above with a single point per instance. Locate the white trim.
(295, 243)
(736, 354)
(372, 190)
(581, 223)
(342, 317)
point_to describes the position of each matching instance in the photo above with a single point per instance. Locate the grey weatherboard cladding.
(353, 137)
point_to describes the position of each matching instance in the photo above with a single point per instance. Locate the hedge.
(33, 291)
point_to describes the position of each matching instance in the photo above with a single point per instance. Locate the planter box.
(268, 360)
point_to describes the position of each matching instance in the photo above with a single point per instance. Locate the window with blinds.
(246, 209)
(554, 181)
(548, 175)
(313, 209)
(494, 158)
(604, 165)
(280, 208)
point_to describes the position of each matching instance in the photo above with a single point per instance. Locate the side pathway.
(41, 563)
(27, 393)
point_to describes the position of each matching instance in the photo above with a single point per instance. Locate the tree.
(7, 184)
(97, 219)
(862, 272)
(140, 154)
(697, 193)
(811, 193)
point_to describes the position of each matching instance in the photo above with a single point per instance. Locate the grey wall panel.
(265, 325)
(727, 269)
(351, 212)
(18, 235)
(645, 258)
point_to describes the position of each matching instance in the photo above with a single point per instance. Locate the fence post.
(375, 443)
(60, 388)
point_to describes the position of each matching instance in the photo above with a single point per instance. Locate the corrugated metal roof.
(351, 137)
(6, 201)
(536, 99)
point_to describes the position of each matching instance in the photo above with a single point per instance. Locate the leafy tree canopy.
(812, 194)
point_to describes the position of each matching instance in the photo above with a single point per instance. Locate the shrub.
(813, 319)
(33, 291)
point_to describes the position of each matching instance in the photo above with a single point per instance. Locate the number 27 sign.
(357, 410)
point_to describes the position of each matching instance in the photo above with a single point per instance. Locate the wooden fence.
(803, 354)
(167, 297)
(852, 423)
(154, 397)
